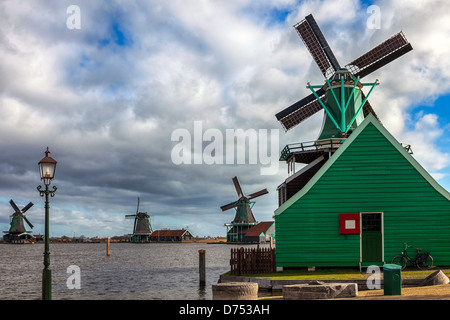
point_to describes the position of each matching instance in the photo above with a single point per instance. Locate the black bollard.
(201, 267)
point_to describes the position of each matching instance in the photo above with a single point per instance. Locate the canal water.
(132, 272)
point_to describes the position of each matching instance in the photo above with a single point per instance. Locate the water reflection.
(133, 271)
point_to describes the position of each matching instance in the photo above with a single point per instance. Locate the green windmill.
(340, 96)
(342, 103)
(17, 232)
(244, 218)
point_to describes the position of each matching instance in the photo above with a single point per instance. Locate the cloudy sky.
(107, 97)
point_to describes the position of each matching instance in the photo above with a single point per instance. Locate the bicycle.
(422, 261)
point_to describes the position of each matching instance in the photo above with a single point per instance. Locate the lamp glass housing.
(47, 168)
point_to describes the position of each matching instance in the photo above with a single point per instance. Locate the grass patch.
(337, 273)
(305, 274)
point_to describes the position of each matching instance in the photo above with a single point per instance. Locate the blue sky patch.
(271, 16)
(441, 107)
(118, 36)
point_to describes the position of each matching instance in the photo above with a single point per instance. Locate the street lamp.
(47, 168)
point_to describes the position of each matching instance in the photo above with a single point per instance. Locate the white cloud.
(424, 141)
(107, 111)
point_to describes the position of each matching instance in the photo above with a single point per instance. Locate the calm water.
(133, 271)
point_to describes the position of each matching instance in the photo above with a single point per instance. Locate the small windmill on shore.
(17, 232)
(142, 228)
(244, 218)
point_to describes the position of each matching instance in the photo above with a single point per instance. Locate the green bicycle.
(422, 261)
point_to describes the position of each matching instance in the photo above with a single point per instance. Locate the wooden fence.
(252, 260)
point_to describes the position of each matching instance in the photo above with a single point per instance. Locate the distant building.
(260, 233)
(252, 233)
(171, 235)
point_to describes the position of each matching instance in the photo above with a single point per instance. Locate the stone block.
(436, 278)
(235, 291)
(319, 290)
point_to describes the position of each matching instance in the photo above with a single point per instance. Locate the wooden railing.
(252, 260)
(289, 149)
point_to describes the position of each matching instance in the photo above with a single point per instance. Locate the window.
(371, 222)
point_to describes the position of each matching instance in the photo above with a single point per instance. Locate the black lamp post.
(47, 168)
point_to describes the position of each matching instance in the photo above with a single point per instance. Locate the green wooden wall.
(370, 174)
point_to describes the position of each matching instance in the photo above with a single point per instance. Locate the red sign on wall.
(349, 223)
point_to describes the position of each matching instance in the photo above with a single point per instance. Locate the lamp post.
(47, 168)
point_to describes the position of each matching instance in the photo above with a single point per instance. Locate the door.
(372, 237)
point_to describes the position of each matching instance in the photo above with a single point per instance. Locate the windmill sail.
(325, 59)
(301, 110)
(317, 45)
(388, 51)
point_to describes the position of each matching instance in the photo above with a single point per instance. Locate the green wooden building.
(358, 202)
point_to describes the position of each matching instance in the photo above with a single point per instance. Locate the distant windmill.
(244, 218)
(17, 232)
(142, 226)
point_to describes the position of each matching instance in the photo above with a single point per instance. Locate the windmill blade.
(27, 221)
(229, 206)
(238, 187)
(137, 209)
(28, 206)
(317, 45)
(130, 216)
(257, 194)
(135, 224)
(379, 56)
(323, 42)
(13, 204)
(301, 110)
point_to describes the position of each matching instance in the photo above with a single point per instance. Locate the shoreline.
(104, 240)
